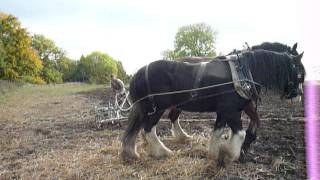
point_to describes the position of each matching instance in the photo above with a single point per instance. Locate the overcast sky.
(136, 32)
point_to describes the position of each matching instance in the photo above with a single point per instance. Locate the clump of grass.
(8, 87)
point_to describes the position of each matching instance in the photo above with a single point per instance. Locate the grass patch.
(12, 89)
(60, 89)
(8, 87)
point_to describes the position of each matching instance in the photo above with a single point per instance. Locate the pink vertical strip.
(312, 140)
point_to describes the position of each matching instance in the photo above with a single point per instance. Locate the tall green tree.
(121, 72)
(68, 69)
(98, 67)
(17, 58)
(2, 59)
(47, 50)
(193, 40)
(50, 55)
(169, 54)
(80, 72)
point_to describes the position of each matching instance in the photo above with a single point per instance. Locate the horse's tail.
(132, 89)
(137, 88)
(135, 120)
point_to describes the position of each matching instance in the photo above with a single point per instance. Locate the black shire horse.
(276, 71)
(251, 133)
(277, 47)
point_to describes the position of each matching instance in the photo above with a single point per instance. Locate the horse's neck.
(267, 74)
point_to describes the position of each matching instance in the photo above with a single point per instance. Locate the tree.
(17, 58)
(47, 49)
(67, 68)
(169, 55)
(121, 72)
(49, 54)
(193, 40)
(98, 67)
(80, 72)
(2, 59)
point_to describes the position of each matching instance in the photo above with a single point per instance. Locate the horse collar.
(242, 78)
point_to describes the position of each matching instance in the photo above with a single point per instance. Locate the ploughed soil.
(52, 134)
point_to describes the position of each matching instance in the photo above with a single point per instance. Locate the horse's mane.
(276, 46)
(269, 68)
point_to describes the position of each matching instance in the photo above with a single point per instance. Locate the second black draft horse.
(276, 71)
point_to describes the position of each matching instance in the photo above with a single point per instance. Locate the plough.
(114, 110)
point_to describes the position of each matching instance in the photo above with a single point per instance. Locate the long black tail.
(135, 119)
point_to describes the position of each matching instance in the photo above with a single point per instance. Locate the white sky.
(136, 32)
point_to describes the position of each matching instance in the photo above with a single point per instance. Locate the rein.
(189, 90)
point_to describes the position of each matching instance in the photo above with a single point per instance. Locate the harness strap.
(198, 78)
(247, 72)
(151, 98)
(241, 71)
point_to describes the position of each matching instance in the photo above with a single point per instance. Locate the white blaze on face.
(301, 87)
(293, 100)
(296, 99)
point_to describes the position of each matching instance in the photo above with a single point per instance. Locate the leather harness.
(151, 98)
(246, 89)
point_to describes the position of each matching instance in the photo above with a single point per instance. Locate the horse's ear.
(294, 47)
(299, 57)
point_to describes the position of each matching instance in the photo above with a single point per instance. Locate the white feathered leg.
(214, 145)
(155, 147)
(179, 134)
(230, 151)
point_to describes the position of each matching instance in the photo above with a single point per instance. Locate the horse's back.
(171, 76)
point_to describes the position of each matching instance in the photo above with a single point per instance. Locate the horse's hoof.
(129, 156)
(225, 159)
(169, 153)
(245, 149)
(161, 154)
(243, 156)
(183, 139)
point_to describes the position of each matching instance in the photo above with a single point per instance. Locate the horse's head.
(294, 86)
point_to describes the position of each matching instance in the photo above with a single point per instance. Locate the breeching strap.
(151, 98)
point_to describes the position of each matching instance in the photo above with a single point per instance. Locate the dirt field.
(48, 132)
